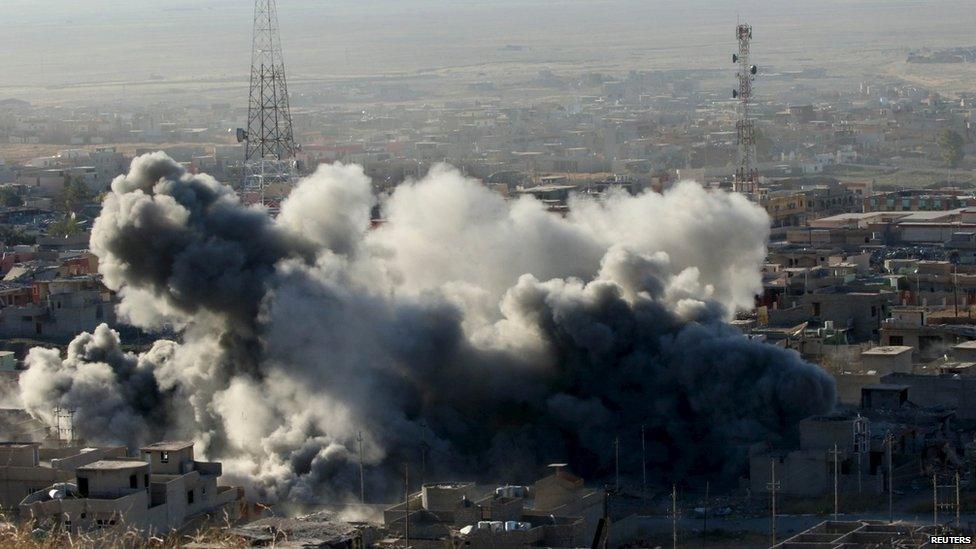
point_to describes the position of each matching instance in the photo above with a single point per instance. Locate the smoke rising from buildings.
(494, 333)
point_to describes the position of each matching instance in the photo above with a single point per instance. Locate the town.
(866, 188)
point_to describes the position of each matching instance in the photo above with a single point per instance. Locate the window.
(164, 457)
(896, 340)
(816, 309)
(145, 481)
(83, 486)
(189, 497)
(874, 311)
(133, 481)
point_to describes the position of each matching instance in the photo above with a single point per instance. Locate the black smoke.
(482, 338)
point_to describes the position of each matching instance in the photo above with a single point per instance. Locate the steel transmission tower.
(269, 144)
(746, 175)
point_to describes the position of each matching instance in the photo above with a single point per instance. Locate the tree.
(10, 198)
(68, 226)
(12, 236)
(75, 195)
(951, 144)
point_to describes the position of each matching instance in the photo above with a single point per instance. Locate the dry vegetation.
(27, 536)
(22, 538)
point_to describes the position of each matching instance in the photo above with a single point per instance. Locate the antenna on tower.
(746, 178)
(269, 144)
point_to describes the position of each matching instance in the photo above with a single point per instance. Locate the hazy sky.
(58, 42)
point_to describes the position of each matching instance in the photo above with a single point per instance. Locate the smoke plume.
(480, 336)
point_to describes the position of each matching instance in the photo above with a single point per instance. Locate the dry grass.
(119, 537)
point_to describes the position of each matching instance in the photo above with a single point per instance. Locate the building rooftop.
(168, 446)
(885, 387)
(114, 464)
(890, 350)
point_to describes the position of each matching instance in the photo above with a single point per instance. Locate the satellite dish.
(735, 58)
(753, 69)
(735, 93)
(241, 135)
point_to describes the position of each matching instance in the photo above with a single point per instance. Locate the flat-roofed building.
(157, 493)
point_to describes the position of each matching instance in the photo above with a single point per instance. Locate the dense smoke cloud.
(494, 334)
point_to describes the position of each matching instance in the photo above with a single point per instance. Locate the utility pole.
(705, 525)
(643, 468)
(860, 446)
(424, 447)
(71, 426)
(674, 516)
(949, 505)
(958, 502)
(616, 463)
(362, 470)
(889, 439)
(57, 422)
(406, 501)
(772, 485)
(955, 293)
(836, 453)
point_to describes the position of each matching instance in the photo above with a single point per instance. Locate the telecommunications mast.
(746, 178)
(270, 167)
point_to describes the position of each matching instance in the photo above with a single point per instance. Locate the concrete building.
(28, 468)
(163, 490)
(557, 511)
(809, 470)
(861, 312)
(931, 337)
(965, 351)
(952, 391)
(884, 360)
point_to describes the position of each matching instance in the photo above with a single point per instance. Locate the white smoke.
(499, 334)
